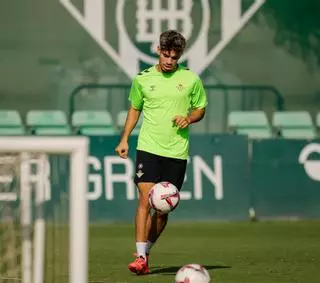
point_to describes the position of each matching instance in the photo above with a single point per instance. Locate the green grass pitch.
(264, 252)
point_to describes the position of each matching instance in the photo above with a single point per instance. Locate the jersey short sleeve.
(136, 95)
(198, 95)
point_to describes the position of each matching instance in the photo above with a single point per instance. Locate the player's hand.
(122, 149)
(181, 122)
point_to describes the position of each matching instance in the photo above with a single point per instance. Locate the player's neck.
(159, 69)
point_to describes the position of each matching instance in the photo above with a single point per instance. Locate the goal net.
(43, 209)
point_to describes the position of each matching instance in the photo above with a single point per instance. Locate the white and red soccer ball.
(192, 273)
(164, 197)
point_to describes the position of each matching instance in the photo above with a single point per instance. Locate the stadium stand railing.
(254, 124)
(121, 119)
(222, 100)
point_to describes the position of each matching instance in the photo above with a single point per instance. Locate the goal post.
(32, 259)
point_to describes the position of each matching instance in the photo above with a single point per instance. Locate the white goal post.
(77, 149)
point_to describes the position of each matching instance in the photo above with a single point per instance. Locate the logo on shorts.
(180, 87)
(139, 174)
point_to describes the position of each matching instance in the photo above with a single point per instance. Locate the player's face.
(168, 60)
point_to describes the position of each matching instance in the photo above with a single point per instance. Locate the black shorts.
(152, 168)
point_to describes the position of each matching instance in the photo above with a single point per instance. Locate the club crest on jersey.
(136, 37)
(152, 88)
(180, 87)
(139, 174)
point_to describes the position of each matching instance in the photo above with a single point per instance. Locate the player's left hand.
(181, 121)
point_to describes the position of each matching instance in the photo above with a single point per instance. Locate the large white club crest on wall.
(173, 16)
(151, 14)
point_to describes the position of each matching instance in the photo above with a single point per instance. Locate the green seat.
(252, 123)
(121, 120)
(93, 123)
(48, 122)
(10, 123)
(294, 124)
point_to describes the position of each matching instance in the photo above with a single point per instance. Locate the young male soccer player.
(171, 98)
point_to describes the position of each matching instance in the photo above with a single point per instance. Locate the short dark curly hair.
(172, 40)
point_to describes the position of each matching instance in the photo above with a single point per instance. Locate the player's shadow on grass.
(173, 269)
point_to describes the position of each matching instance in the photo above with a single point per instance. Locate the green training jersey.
(161, 97)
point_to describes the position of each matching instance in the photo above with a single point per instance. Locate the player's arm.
(136, 98)
(195, 116)
(132, 118)
(131, 121)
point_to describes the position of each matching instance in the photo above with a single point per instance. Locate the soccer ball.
(164, 197)
(192, 273)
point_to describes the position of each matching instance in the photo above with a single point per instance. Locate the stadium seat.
(252, 123)
(10, 123)
(48, 122)
(93, 123)
(294, 124)
(121, 119)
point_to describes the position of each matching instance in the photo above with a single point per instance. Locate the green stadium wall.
(227, 176)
